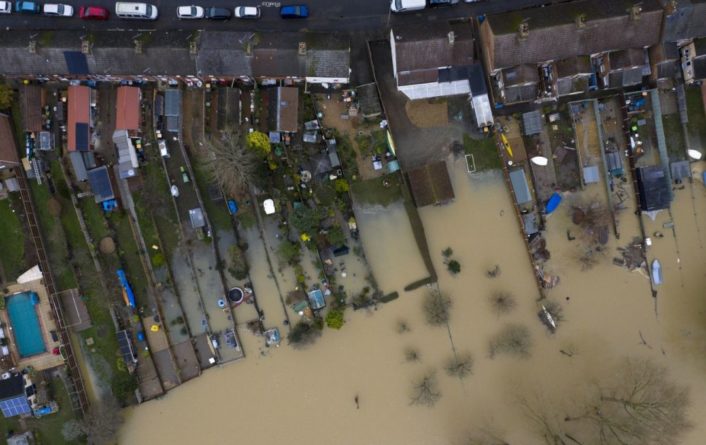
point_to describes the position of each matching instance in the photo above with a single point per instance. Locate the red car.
(93, 13)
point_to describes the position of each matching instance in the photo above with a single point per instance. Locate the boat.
(553, 203)
(547, 319)
(656, 272)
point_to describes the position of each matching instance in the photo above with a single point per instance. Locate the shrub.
(513, 339)
(334, 318)
(259, 142)
(158, 259)
(454, 267)
(436, 308)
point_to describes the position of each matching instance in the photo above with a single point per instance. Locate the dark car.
(93, 13)
(218, 13)
(434, 3)
(26, 7)
(294, 12)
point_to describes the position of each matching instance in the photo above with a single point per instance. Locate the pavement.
(325, 15)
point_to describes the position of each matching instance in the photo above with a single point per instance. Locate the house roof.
(78, 132)
(423, 48)
(322, 55)
(655, 191)
(431, 184)
(627, 58)
(554, 34)
(8, 149)
(573, 66)
(222, 53)
(520, 75)
(127, 108)
(520, 186)
(12, 387)
(686, 22)
(78, 165)
(172, 102)
(196, 217)
(287, 109)
(99, 179)
(476, 79)
(31, 107)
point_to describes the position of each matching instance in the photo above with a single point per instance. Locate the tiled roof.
(688, 21)
(553, 32)
(422, 48)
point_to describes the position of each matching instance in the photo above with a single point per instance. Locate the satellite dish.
(694, 154)
(306, 176)
(539, 160)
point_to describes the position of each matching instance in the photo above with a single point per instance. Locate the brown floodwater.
(307, 396)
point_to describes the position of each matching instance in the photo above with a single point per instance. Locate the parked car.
(58, 9)
(294, 12)
(184, 175)
(27, 7)
(5, 7)
(218, 13)
(93, 13)
(247, 12)
(434, 3)
(190, 12)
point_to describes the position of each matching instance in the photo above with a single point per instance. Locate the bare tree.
(403, 326)
(640, 407)
(502, 303)
(460, 365)
(513, 339)
(425, 391)
(436, 308)
(102, 422)
(231, 164)
(412, 355)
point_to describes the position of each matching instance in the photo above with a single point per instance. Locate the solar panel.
(100, 184)
(76, 62)
(126, 347)
(15, 406)
(81, 136)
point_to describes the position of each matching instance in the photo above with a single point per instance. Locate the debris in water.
(631, 256)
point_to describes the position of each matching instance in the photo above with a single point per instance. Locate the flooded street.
(608, 313)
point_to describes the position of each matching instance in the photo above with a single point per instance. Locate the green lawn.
(485, 154)
(382, 191)
(130, 255)
(697, 117)
(674, 135)
(12, 241)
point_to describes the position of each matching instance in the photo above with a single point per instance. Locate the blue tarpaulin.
(553, 203)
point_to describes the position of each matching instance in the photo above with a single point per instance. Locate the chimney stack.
(635, 11)
(581, 20)
(524, 30)
(452, 37)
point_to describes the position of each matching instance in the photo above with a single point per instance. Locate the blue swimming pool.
(25, 323)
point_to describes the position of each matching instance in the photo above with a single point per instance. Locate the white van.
(407, 5)
(129, 10)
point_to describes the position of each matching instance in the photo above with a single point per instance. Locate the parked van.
(130, 10)
(407, 5)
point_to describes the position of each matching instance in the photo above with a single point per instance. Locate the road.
(325, 16)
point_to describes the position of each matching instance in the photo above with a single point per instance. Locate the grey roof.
(655, 191)
(218, 53)
(420, 52)
(699, 65)
(571, 85)
(328, 63)
(680, 170)
(196, 217)
(78, 165)
(520, 186)
(627, 58)
(554, 34)
(625, 78)
(172, 102)
(520, 75)
(573, 66)
(524, 93)
(223, 53)
(127, 158)
(532, 122)
(688, 21)
(278, 55)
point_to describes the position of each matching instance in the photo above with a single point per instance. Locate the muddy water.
(273, 398)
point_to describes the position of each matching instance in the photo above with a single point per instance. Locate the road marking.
(271, 4)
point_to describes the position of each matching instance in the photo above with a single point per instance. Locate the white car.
(247, 12)
(190, 12)
(5, 7)
(58, 9)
